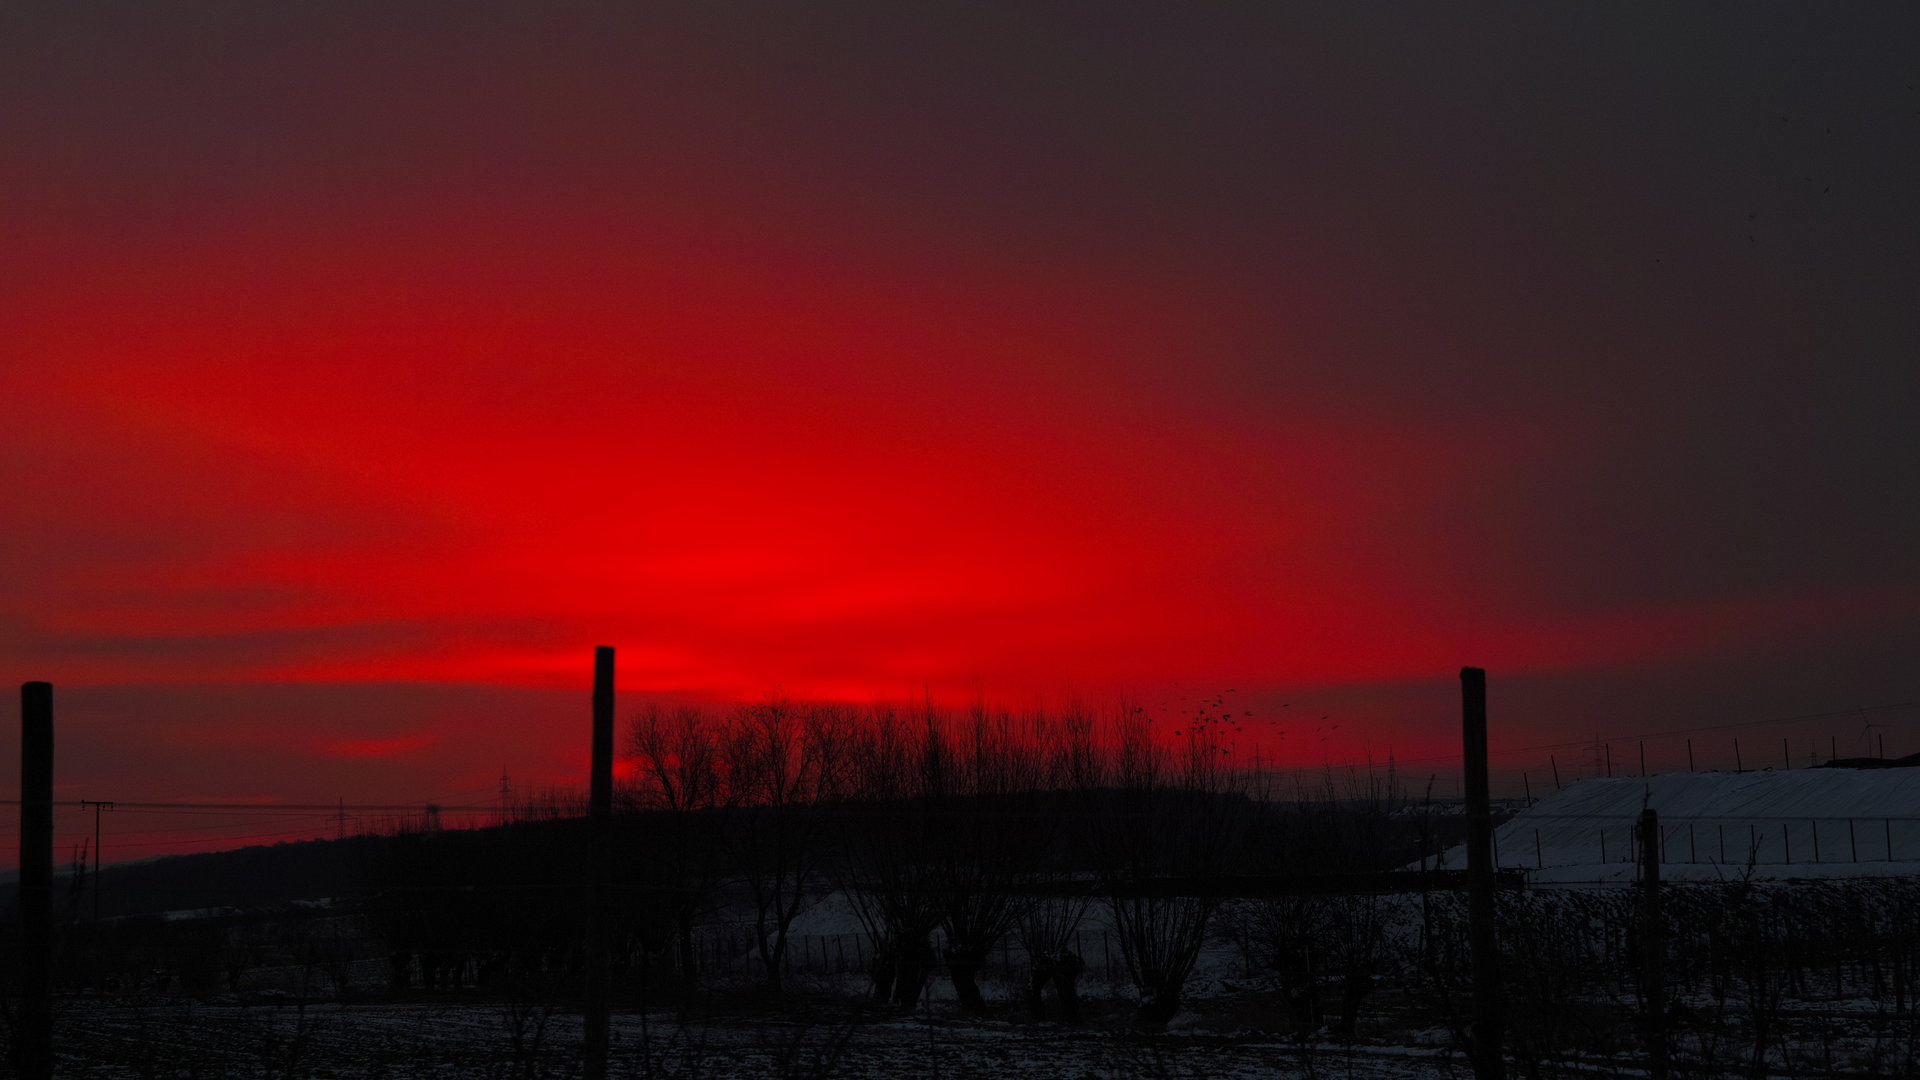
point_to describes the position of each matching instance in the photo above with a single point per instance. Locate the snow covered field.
(461, 1042)
(1720, 826)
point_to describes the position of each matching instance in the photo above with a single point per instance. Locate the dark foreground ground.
(820, 1036)
(799, 1039)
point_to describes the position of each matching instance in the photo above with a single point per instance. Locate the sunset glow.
(368, 369)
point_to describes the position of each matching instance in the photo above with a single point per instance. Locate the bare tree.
(1172, 824)
(984, 805)
(679, 780)
(892, 884)
(1072, 770)
(787, 764)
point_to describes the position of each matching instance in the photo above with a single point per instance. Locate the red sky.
(368, 367)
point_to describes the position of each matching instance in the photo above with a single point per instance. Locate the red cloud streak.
(464, 458)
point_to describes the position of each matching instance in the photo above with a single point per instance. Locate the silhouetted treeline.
(963, 831)
(950, 834)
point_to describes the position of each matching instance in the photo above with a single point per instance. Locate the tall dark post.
(1487, 1006)
(599, 868)
(1653, 941)
(33, 1038)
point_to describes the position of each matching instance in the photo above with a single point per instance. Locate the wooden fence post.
(33, 1037)
(597, 1022)
(1653, 940)
(1485, 1050)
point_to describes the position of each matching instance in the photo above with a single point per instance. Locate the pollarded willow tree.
(1072, 766)
(1172, 822)
(986, 803)
(949, 825)
(788, 769)
(891, 878)
(681, 786)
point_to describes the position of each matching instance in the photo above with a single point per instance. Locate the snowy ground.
(421, 1041)
(818, 1038)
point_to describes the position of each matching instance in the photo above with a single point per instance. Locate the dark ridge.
(1907, 762)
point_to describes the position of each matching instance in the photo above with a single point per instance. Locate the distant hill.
(249, 877)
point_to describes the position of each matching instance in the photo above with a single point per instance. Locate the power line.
(1583, 743)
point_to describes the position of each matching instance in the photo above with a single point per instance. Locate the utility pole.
(506, 790)
(98, 806)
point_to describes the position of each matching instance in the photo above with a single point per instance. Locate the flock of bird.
(1206, 719)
